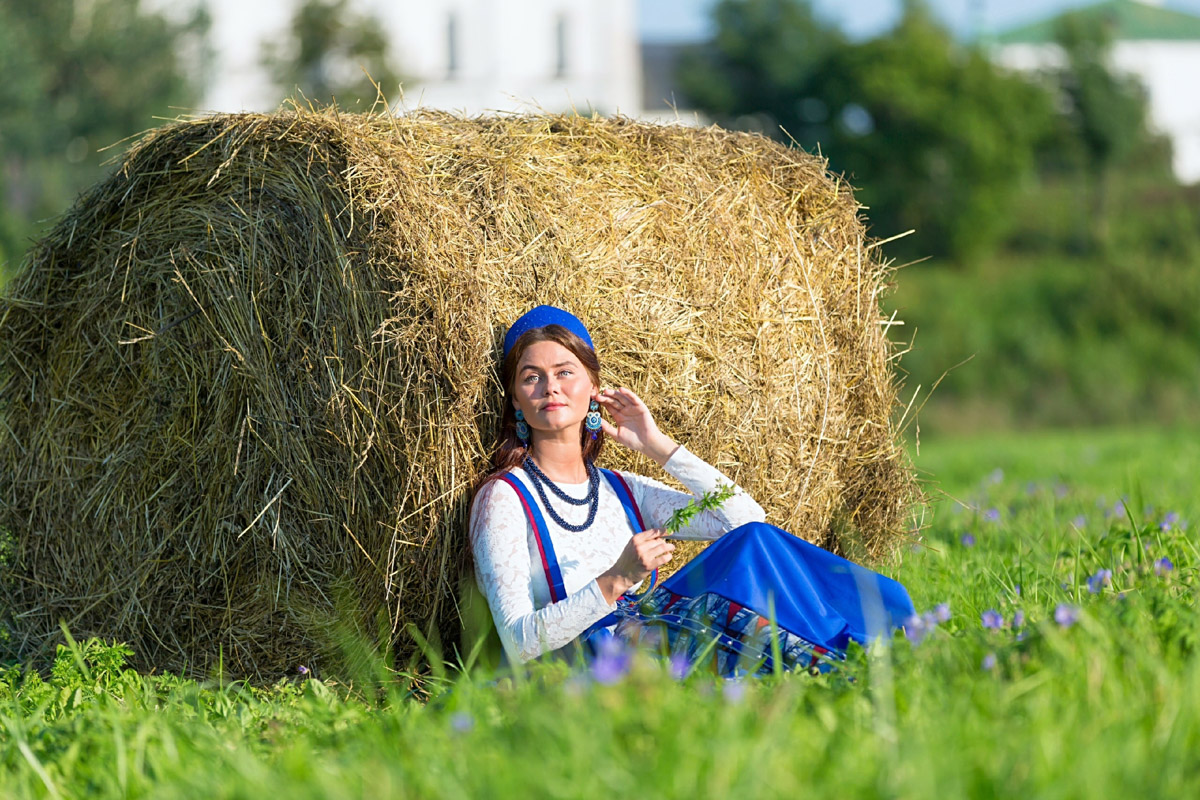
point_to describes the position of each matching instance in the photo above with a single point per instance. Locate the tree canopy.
(332, 53)
(80, 75)
(935, 137)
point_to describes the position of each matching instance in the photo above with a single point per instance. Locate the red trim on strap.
(538, 539)
(637, 512)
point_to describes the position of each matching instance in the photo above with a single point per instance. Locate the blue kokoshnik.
(718, 608)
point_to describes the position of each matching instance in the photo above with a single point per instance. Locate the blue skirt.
(755, 593)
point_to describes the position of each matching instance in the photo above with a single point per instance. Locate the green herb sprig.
(709, 501)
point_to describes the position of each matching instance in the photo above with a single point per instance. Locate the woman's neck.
(561, 460)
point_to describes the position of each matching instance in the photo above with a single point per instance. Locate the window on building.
(560, 46)
(452, 64)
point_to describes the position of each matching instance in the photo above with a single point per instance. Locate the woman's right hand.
(643, 553)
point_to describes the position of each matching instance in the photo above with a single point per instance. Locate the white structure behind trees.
(1158, 46)
(462, 55)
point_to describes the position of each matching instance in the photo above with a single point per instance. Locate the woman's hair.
(509, 451)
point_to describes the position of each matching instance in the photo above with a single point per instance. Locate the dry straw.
(248, 381)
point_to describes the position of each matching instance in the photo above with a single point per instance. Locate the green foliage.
(682, 517)
(1063, 338)
(332, 54)
(936, 138)
(1106, 110)
(1026, 709)
(80, 76)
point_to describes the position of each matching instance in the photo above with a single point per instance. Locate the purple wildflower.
(303, 670)
(679, 665)
(1079, 521)
(989, 662)
(997, 476)
(461, 722)
(967, 540)
(1162, 566)
(1018, 618)
(992, 619)
(992, 515)
(1066, 614)
(612, 661)
(1061, 490)
(1097, 582)
(941, 612)
(1169, 521)
(734, 691)
(914, 629)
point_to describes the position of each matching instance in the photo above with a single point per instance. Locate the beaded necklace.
(591, 499)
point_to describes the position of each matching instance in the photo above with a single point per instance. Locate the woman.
(556, 541)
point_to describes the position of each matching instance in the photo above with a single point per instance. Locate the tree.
(1106, 113)
(332, 54)
(81, 75)
(935, 136)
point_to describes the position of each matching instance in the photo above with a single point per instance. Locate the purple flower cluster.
(1162, 566)
(461, 722)
(918, 626)
(679, 666)
(613, 661)
(1097, 582)
(1171, 521)
(992, 619)
(968, 540)
(1066, 614)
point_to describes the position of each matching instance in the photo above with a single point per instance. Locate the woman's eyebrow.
(556, 366)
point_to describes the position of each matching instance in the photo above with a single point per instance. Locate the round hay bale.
(248, 382)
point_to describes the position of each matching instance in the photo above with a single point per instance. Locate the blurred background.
(1037, 161)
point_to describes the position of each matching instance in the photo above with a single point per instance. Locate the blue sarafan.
(721, 605)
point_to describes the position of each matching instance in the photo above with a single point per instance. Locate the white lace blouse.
(509, 568)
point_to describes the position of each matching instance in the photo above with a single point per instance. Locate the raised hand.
(643, 553)
(632, 424)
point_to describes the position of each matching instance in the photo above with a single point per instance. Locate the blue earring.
(593, 418)
(522, 428)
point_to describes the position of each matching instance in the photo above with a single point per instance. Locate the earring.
(593, 418)
(522, 428)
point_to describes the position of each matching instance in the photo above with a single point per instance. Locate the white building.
(1160, 46)
(462, 55)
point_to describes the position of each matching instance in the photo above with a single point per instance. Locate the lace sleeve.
(657, 500)
(500, 544)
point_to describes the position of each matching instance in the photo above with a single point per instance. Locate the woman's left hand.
(634, 426)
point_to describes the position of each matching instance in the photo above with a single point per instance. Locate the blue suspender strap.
(631, 511)
(542, 536)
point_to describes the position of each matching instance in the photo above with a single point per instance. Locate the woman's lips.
(553, 406)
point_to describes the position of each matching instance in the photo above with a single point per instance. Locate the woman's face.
(552, 388)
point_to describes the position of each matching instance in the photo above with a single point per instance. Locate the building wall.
(1169, 70)
(506, 53)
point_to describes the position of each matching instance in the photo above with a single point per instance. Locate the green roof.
(1130, 20)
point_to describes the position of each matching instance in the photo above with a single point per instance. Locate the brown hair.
(509, 451)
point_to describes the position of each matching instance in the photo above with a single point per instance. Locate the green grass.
(1103, 708)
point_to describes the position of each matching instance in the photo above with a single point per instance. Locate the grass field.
(1084, 681)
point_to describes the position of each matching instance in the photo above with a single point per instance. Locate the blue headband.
(540, 317)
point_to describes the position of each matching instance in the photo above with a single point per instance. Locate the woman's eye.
(565, 373)
(531, 378)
